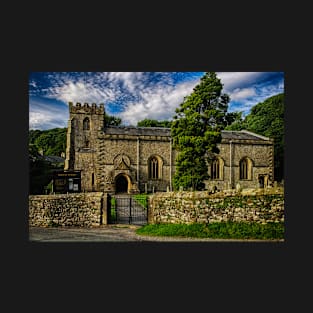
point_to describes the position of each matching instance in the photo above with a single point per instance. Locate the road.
(110, 233)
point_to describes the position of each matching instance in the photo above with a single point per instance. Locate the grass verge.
(222, 230)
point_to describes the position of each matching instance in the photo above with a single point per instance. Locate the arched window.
(243, 165)
(86, 124)
(217, 168)
(155, 165)
(153, 168)
(245, 168)
(73, 122)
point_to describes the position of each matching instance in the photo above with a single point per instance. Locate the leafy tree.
(234, 120)
(40, 175)
(110, 120)
(154, 123)
(267, 119)
(40, 171)
(50, 142)
(196, 131)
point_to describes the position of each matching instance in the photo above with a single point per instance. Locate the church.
(126, 159)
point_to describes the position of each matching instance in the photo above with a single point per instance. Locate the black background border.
(187, 276)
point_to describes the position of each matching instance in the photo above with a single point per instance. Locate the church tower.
(84, 123)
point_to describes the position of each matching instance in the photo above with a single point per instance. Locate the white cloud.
(140, 95)
(45, 116)
(131, 81)
(81, 92)
(33, 84)
(158, 103)
(233, 80)
(36, 119)
(240, 94)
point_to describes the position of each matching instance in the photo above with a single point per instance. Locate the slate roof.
(162, 131)
(241, 135)
(53, 159)
(138, 131)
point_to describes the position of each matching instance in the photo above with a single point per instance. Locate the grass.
(222, 230)
(142, 199)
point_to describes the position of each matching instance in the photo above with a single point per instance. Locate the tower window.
(86, 124)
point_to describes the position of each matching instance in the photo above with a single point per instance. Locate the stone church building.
(124, 159)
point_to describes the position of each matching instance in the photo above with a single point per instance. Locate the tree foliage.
(40, 174)
(267, 119)
(154, 123)
(196, 131)
(110, 120)
(50, 142)
(40, 170)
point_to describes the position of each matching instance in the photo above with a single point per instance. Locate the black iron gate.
(127, 209)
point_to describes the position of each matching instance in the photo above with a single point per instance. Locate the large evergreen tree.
(196, 131)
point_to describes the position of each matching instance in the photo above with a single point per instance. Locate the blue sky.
(134, 96)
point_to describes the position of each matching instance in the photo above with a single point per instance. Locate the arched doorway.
(121, 184)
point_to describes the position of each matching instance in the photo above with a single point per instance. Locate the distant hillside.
(48, 142)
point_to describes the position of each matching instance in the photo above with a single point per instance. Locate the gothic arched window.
(245, 168)
(86, 124)
(217, 168)
(155, 165)
(154, 168)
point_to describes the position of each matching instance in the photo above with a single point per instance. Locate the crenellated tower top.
(86, 108)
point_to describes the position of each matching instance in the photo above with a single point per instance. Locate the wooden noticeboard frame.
(66, 181)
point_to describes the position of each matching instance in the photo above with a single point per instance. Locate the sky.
(134, 96)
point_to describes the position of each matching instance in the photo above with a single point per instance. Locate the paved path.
(139, 213)
(110, 233)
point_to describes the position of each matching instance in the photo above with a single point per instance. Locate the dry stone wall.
(81, 209)
(90, 209)
(260, 206)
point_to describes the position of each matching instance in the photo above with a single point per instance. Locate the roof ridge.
(254, 134)
(138, 127)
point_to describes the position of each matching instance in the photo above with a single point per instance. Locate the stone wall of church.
(85, 161)
(261, 156)
(162, 150)
(133, 149)
(97, 151)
